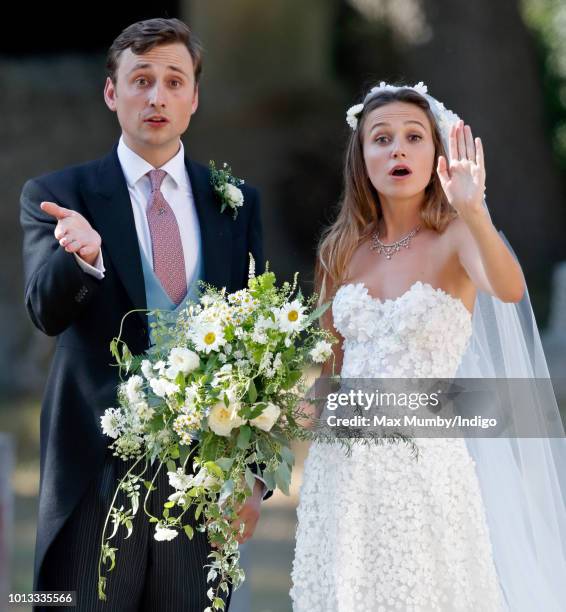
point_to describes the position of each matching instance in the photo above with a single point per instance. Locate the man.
(132, 230)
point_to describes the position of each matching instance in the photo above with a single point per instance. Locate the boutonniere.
(226, 187)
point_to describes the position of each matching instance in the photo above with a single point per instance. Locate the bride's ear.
(110, 94)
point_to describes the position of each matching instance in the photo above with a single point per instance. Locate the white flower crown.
(444, 117)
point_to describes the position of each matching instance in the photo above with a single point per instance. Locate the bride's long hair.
(359, 208)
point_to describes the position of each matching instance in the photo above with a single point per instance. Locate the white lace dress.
(378, 531)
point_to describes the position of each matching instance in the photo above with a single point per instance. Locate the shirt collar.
(135, 167)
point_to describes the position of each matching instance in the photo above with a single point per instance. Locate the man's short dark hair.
(142, 36)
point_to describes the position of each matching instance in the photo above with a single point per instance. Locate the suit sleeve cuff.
(265, 490)
(97, 270)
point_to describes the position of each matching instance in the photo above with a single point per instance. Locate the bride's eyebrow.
(385, 123)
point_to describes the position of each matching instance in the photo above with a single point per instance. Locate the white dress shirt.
(176, 189)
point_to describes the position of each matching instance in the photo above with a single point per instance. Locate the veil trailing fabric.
(522, 477)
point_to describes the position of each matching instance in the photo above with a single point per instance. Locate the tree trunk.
(480, 61)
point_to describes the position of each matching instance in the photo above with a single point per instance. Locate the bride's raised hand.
(463, 180)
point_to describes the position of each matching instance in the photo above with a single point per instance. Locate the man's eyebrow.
(380, 123)
(142, 66)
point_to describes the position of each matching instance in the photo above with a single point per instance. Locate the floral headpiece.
(444, 117)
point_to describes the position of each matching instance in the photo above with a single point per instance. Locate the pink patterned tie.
(168, 259)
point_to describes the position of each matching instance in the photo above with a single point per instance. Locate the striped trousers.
(149, 576)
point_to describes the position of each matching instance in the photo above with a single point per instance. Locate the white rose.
(163, 387)
(223, 419)
(266, 420)
(164, 533)
(182, 360)
(233, 194)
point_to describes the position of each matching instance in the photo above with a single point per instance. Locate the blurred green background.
(278, 78)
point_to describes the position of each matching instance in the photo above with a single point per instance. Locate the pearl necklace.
(390, 249)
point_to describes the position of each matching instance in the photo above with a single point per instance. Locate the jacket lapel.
(108, 201)
(215, 227)
(109, 204)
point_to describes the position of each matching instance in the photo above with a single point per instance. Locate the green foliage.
(244, 436)
(252, 391)
(262, 285)
(547, 21)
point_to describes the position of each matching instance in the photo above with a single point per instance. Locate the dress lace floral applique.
(378, 531)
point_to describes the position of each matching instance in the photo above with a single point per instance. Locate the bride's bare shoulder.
(358, 259)
(455, 228)
(456, 233)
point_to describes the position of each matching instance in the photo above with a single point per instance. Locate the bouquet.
(215, 399)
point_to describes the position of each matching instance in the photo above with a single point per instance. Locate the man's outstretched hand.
(74, 232)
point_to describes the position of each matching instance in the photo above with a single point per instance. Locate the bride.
(405, 263)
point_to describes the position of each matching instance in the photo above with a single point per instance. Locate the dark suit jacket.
(84, 313)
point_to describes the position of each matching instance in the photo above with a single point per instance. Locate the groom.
(132, 230)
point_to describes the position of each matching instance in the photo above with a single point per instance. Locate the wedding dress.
(379, 531)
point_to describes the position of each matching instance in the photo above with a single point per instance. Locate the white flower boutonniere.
(226, 187)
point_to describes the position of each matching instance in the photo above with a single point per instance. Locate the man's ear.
(195, 101)
(110, 94)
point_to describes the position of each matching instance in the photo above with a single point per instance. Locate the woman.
(411, 248)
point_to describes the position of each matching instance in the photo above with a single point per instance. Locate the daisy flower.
(290, 317)
(208, 336)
